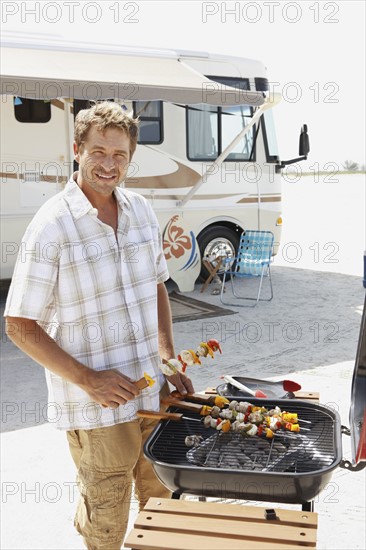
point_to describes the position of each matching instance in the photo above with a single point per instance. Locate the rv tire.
(217, 241)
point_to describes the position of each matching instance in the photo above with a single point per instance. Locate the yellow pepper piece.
(226, 425)
(149, 380)
(292, 427)
(205, 411)
(295, 428)
(221, 401)
(290, 417)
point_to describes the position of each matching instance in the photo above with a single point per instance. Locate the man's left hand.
(182, 383)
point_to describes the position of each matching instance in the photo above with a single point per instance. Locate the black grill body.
(295, 472)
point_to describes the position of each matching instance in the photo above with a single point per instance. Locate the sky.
(313, 50)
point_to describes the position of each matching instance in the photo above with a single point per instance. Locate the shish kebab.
(241, 417)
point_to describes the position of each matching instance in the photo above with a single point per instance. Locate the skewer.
(176, 417)
(213, 400)
(179, 416)
(195, 407)
(225, 424)
(145, 382)
(205, 410)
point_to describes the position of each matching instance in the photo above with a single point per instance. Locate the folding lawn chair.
(253, 260)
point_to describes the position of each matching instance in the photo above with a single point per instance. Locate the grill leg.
(308, 506)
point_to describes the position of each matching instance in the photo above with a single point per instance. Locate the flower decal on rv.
(175, 242)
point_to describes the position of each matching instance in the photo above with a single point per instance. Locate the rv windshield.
(271, 140)
(233, 120)
(211, 129)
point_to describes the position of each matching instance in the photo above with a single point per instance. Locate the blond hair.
(104, 115)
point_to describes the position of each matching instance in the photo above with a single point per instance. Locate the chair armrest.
(268, 261)
(229, 260)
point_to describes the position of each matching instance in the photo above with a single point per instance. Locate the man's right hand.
(109, 388)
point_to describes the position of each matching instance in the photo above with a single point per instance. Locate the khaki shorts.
(109, 460)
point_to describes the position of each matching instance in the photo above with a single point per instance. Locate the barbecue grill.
(291, 467)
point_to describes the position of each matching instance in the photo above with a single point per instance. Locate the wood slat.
(213, 527)
(232, 511)
(167, 524)
(210, 391)
(310, 395)
(143, 539)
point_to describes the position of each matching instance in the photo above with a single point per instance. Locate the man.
(90, 305)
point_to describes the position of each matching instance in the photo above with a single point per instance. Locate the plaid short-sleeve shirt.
(95, 295)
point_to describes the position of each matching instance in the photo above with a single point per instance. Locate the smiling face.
(103, 161)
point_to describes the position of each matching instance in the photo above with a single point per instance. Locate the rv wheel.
(217, 241)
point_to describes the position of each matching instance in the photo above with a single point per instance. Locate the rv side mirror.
(304, 145)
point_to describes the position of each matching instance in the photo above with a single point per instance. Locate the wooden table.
(167, 524)
(212, 267)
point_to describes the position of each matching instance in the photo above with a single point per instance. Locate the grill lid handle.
(357, 414)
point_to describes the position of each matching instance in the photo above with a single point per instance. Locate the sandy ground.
(308, 333)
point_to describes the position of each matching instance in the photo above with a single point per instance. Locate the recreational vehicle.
(206, 153)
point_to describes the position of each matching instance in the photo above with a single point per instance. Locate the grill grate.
(287, 452)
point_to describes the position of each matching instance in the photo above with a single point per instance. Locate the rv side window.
(32, 110)
(151, 121)
(202, 134)
(240, 83)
